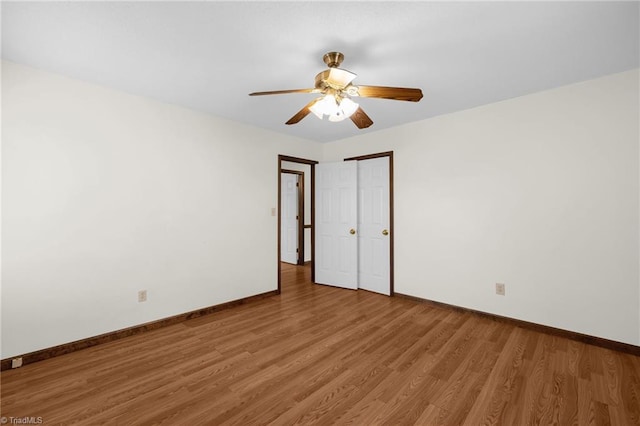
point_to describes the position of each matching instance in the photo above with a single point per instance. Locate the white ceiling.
(209, 55)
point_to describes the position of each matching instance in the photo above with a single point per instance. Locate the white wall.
(539, 192)
(106, 193)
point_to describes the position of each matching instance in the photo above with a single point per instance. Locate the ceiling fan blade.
(361, 119)
(395, 93)
(282, 92)
(302, 113)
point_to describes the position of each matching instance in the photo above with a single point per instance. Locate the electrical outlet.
(16, 362)
(142, 296)
(500, 289)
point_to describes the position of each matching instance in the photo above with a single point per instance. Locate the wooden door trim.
(391, 217)
(300, 213)
(371, 156)
(312, 164)
(297, 160)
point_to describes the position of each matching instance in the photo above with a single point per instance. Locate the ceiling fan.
(335, 86)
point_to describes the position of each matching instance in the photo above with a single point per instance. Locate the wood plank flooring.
(322, 355)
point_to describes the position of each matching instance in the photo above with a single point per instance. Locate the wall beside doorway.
(105, 194)
(540, 193)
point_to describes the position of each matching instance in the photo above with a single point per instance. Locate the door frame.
(299, 213)
(311, 164)
(388, 154)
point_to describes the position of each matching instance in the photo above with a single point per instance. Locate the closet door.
(374, 248)
(336, 261)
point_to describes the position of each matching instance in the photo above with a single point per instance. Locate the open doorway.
(304, 226)
(292, 216)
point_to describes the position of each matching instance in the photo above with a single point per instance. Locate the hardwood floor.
(323, 355)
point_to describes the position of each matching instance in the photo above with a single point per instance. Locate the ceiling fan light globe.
(317, 109)
(345, 110)
(338, 116)
(327, 105)
(348, 107)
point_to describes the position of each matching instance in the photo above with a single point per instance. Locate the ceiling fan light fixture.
(335, 108)
(326, 105)
(346, 109)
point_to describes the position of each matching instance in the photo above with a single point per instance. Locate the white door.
(289, 218)
(336, 259)
(374, 248)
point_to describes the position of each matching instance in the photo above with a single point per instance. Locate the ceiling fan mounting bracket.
(333, 59)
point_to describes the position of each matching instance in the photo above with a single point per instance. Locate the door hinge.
(297, 184)
(297, 250)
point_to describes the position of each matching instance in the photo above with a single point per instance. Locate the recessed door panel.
(337, 242)
(373, 244)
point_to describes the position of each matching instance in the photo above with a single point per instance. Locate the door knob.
(352, 231)
(385, 232)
